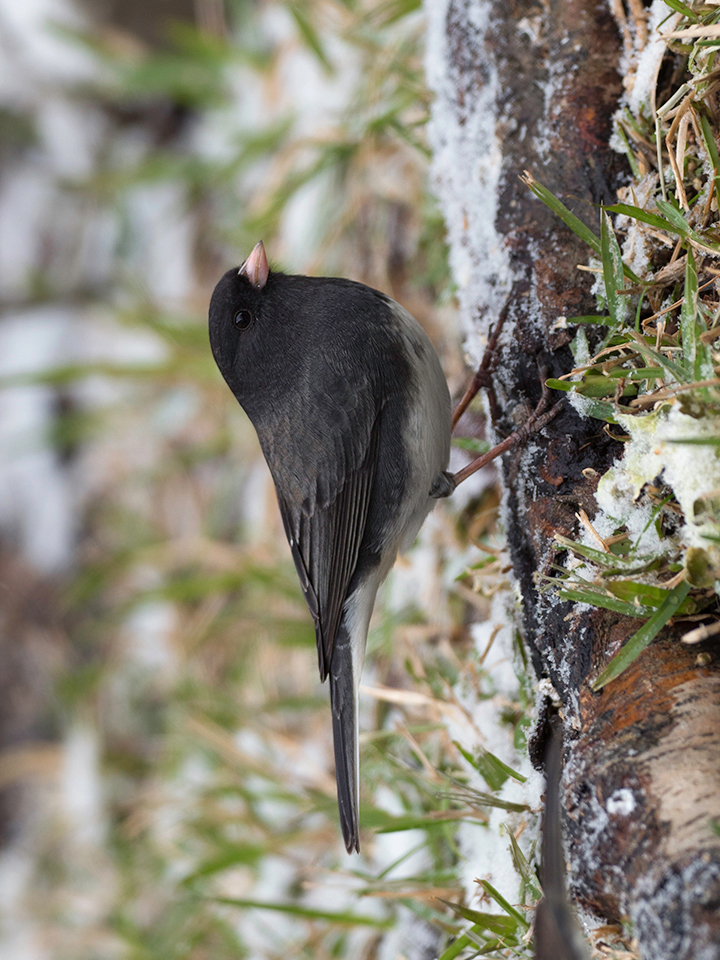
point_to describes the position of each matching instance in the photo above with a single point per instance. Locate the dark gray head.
(263, 334)
(239, 318)
(277, 336)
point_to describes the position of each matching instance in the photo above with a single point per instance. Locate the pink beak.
(256, 267)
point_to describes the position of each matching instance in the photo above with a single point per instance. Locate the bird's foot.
(443, 485)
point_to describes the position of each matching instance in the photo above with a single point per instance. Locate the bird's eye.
(242, 319)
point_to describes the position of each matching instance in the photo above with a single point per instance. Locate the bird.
(353, 414)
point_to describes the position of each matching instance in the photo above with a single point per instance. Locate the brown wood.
(642, 759)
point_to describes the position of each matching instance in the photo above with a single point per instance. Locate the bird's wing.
(325, 515)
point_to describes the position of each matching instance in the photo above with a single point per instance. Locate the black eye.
(242, 319)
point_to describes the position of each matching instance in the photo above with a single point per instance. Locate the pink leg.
(536, 422)
(483, 377)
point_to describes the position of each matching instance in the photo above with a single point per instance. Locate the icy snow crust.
(648, 60)
(466, 170)
(656, 449)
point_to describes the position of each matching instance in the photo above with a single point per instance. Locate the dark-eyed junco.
(353, 415)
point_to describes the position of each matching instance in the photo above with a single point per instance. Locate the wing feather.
(325, 544)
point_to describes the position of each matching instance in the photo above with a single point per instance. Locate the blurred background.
(166, 773)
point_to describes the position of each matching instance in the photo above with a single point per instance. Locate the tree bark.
(533, 86)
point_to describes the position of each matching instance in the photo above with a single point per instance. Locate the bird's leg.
(481, 379)
(446, 483)
(483, 375)
(536, 421)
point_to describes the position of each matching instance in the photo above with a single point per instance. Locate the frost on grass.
(643, 50)
(670, 452)
(486, 848)
(682, 452)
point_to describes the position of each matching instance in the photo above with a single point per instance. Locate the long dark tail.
(345, 734)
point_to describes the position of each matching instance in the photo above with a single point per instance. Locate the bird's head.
(238, 308)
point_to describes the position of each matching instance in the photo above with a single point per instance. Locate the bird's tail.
(343, 701)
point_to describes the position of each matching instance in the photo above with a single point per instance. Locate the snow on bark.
(467, 162)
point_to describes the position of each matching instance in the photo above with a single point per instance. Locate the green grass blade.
(386, 823)
(644, 636)
(599, 409)
(456, 948)
(682, 227)
(309, 913)
(673, 215)
(523, 867)
(393, 10)
(697, 441)
(310, 35)
(688, 315)
(501, 924)
(613, 276)
(569, 219)
(233, 857)
(559, 208)
(598, 598)
(608, 562)
(645, 373)
(711, 147)
(683, 8)
(620, 130)
(503, 903)
(697, 354)
(646, 594)
(490, 767)
(472, 445)
(479, 798)
(637, 213)
(604, 387)
(677, 370)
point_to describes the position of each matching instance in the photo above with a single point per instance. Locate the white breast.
(427, 429)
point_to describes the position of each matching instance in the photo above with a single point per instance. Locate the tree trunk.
(525, 86)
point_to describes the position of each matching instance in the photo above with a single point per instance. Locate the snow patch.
(80, 785)
(149, 632)
(25, 194)
(621, 803)
(466, 167)
(485, 848)
(163, 243)
(649, 59)
(656, 449)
